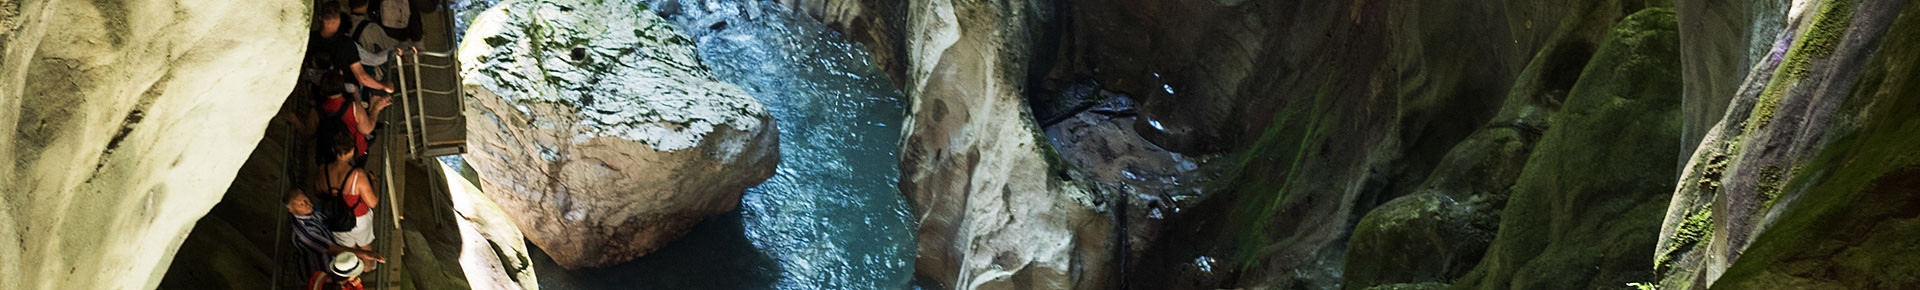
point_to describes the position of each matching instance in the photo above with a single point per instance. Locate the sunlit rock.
(597, 127)
(119, 123)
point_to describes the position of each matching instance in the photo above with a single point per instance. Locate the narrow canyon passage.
(956, 144)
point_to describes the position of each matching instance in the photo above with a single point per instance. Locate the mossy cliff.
(1585, 209)
(1813, 185)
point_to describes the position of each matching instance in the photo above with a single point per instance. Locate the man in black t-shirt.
(340, 48)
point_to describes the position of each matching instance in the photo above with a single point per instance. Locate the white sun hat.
(345, 265)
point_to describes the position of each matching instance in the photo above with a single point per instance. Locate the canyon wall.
(1808, 181)
(118, 121)
(1464, 144)
(998, 208)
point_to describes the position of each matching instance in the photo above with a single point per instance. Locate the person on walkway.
(341, 49)
(342, 272)
(352, 185)
(370, 36)
(312, 242)
(357, 121)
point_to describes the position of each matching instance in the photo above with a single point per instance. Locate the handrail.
(415, 66)
(432, 91)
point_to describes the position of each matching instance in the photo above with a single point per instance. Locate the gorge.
(955, 144)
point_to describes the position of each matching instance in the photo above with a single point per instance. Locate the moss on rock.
(1411, 286)
(1818, 41)
(1856, 221)
(1416, 238)
(1697, 228)
(1583, 217)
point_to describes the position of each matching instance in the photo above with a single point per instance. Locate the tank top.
(353, 124)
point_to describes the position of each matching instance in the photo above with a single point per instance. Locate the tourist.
(351, 184)
(352, 118)
(341, 49)
(369, 36)
(312, 242)
(344, 270)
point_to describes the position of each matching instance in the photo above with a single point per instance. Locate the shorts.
(361, 235)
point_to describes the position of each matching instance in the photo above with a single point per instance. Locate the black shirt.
(339, 49)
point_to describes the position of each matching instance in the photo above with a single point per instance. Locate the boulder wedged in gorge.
(998, 209)
(118, 123)
(598, 128)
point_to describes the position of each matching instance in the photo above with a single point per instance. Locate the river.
(830, 218)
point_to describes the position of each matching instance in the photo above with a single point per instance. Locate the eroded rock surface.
(597, 126)
(998, 208)
(119, 123)
(493, 252)
(1811, 169)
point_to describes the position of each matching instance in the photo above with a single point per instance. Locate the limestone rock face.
(1811, 170)
(597, 127)
(118, 126)
(492, 251)
(1723, 40)
(999, 209)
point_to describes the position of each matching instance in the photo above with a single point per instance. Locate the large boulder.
(598, 128)
(998, 208)
(119, 121)
(1417, 238)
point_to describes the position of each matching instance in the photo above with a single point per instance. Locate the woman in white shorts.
(352, 185)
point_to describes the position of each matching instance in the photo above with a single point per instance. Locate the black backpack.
(334, 211)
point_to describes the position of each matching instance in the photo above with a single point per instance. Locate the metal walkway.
(426, 120)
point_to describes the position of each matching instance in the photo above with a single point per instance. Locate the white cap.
(346, 264)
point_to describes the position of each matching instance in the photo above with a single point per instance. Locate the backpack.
(373, 51)
(394, 13)
(335, 213)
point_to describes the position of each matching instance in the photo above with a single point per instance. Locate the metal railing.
(419, 71)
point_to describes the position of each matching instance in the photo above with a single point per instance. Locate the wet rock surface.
(609, 157)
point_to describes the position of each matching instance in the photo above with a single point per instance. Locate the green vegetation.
(1769, 187)
(1586, 217)
(1252, 217)
(1861, 181)
(1818, 41)
(1712, 172)
(1698, 227)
